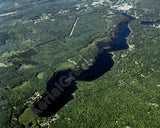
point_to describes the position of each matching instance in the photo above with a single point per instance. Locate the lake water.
(103, 63)
(150, 22)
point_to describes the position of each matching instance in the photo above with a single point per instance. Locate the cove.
(62, 85)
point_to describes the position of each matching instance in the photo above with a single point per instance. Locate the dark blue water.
(119, 43)
(103, 63)
(150, 22)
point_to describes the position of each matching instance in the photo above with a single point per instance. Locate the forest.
(35, 43)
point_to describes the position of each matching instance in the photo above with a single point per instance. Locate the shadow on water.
(63, 83)
(58, 93)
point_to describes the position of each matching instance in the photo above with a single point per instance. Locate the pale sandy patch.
(3, 65)
(124, 7)
(158, 85)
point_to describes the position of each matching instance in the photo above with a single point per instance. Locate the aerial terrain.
(79, 64)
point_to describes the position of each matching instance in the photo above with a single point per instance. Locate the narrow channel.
(150, 22)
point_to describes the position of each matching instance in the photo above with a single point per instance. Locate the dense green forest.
(36, 42)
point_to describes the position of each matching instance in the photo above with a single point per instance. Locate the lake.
(150, 22)
(62, 85)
